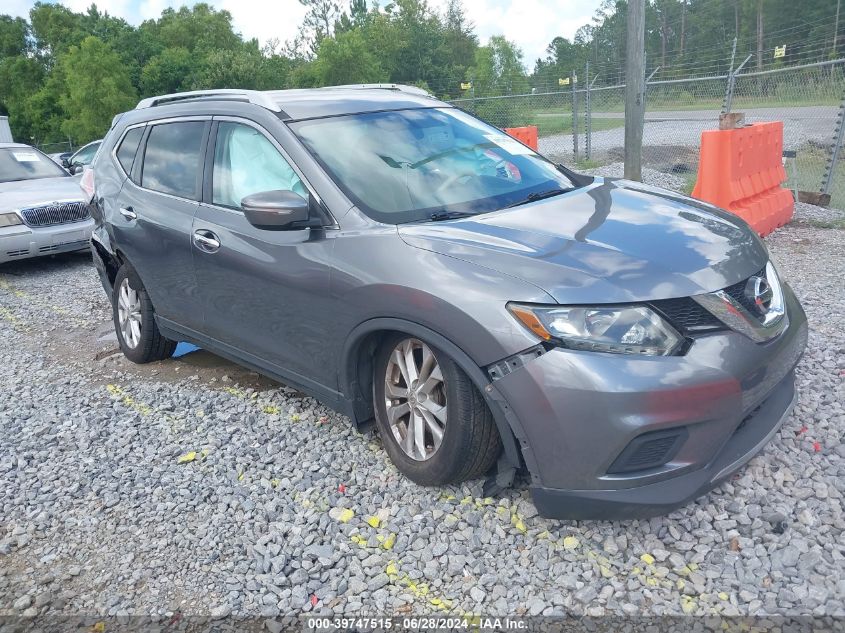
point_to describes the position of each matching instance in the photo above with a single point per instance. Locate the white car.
(42, 211)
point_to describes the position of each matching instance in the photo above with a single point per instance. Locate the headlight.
(9, 219)
(615, 329)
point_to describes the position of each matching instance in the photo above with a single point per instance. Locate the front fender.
(367, 334)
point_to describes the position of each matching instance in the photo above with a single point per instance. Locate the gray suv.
(408, 264)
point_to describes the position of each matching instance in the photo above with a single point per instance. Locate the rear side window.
(172, 158)
(128, 147)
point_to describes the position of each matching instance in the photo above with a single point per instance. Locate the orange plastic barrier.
(527, 135)
(741, 170)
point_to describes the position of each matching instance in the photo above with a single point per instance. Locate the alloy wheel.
(415, 399)
(129, 314)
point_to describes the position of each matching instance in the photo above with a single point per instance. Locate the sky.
(532, 24)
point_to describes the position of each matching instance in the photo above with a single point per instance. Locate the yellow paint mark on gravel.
(570, 543)
(418, 590)
(373, 521)
(5, 285)
(7, 315)
(344, 515)
(128, 400)
(648, 559)
(187, 457)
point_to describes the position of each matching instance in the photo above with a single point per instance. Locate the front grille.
(737, 293)
(687, 315)
(53, 214)
(690, 317)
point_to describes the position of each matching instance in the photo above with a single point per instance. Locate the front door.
(261, 289)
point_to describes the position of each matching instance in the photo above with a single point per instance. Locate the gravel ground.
(192, 486)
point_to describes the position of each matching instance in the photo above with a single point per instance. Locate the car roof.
(310, 103)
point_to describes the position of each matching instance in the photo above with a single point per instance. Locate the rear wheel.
(436, 426)
(134, 321)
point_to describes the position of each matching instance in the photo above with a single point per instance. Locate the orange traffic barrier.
(527, 135)
(741, 170)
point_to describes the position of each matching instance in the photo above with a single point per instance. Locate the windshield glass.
(405, 166)
(26, 163)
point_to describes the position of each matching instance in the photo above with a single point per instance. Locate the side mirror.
(74, 169)
(66, 163)
(275, 210)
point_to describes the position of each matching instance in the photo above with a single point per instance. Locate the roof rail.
(414, 90)
(253, 96)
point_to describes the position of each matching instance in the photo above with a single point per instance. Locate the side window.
(128, 148)
(246, 162)
(172, 158)
(85, 155)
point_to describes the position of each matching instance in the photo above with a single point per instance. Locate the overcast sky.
(530, 23)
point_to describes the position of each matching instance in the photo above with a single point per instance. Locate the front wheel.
(134, 320)
(436, 426)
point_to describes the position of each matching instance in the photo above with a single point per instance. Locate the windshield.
(408, 165)
(26, 163)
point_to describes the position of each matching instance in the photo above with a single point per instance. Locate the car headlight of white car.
(9, 219)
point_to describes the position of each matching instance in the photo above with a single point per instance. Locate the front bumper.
(578, 412)
(22, 242)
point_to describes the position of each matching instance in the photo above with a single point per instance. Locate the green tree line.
(65, 74)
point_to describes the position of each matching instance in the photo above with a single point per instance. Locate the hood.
(613, 241)
(23, 194)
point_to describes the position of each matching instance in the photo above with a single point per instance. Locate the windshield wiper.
(439, 216)
(540, 195)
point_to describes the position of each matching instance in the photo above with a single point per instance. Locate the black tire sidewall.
(445, 465)
(142, 353)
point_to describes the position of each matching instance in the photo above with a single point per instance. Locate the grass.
(810, 166)
(827, 224)
(549, 123)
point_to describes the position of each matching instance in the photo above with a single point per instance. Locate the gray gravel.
(280, 508)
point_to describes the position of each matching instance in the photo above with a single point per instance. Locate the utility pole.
(635, 89)
(836, 29)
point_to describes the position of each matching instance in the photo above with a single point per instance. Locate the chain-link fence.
(584, 126)
(60, 147)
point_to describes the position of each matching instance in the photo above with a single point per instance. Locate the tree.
(346, 59)
(169, 71)
(318, 23)
(200, 28)
(13, 36)
(499, 69)
(231, 69)
(55, 28)
(96, 87)
(20, 78)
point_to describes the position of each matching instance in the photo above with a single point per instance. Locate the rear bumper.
(579, 414)
(22, 242)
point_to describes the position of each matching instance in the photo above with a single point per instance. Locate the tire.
(469, 444)
(144, 343)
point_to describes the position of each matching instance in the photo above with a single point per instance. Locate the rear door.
(261, 289)
(152, 225)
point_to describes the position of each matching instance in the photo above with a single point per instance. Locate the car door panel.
(153, 230)
(262, 288)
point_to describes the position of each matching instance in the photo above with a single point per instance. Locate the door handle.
(128, 213)
(206, 241)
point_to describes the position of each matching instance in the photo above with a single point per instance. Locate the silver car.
(41, 207)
